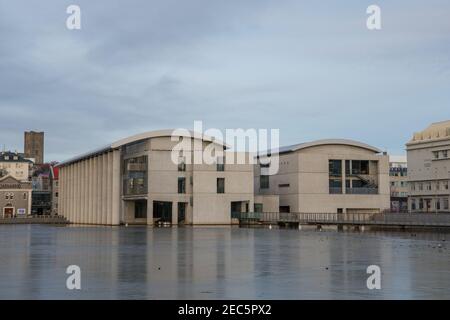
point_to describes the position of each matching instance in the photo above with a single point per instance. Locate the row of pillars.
(90, 190)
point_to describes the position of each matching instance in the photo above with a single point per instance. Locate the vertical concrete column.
(85, 194)
(70, 202)
(109, 189)
(343, 176)
(104, 187)
(94, 190)
(75, 192)
(116, 194)
(61, 192)
(91, 190)
(98, 190)
(175, 213)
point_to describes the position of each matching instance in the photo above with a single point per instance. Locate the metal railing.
(361, 190)
(357, 218)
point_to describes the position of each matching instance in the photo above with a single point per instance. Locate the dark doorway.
(236, 207)
(285, 209)
(162, 211)
(140, 209)
(182, 212)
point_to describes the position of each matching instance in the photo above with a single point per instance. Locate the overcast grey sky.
(310, 68)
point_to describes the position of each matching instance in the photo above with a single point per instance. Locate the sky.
(311, 69)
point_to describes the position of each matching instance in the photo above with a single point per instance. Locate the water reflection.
(220, 263)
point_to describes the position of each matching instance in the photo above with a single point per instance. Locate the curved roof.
(140, 137)
(323, 142)
(164, 133)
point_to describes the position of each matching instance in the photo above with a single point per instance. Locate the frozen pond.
(220, 263)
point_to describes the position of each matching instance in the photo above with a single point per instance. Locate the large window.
(135, 175)
(356, 167)
(220, 185)
(181, 185)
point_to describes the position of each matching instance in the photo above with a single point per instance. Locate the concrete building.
(331, 176)
(398, 173)
(34, 146)
(15, 165)
(429, 169)
(15, 197)
(135, 181)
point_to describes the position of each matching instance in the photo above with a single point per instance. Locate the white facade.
(429, 169)
(135, 181)
(308, 182)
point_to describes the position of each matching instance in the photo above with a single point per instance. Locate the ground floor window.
(182, 212)
(140, 209)
(258, 207)
(162, 211)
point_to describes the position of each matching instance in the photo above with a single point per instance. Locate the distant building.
(135, 181)
(55, 188)
(398, 173)
(429, 169)
(42, 189)
(34, 146)
(15, 197)
(328, 176)
(15, 165)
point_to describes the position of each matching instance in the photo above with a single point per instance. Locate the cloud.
(310, 69)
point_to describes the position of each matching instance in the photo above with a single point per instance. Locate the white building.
(429, 169)
(136, 181)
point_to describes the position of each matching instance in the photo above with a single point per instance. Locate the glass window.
(181, 185)
(182, 164)
(335, 167)
(221, 164)
(264, 182)
(135, 175)
(220, 185)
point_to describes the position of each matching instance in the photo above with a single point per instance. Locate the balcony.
(361, 190)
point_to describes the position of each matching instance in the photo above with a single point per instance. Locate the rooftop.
(435, 131)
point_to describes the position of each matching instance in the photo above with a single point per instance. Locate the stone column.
(116, 194)
(109, 189)
(104, 188)
(344, 191)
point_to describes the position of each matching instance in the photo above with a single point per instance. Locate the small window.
(220, 185)
(25, 196)
(182, 164)
(264, 182)
(221, 164)
(181, 185)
